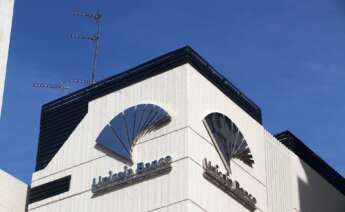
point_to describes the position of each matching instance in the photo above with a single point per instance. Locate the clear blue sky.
(288, 56)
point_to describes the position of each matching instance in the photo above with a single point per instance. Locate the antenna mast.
(94, 38)
(59, 86)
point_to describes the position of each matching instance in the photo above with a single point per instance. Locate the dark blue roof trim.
(312, 159)
(60, 117)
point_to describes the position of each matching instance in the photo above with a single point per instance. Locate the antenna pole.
(95, 39)
(97, 18)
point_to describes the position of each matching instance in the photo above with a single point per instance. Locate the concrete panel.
(173, 144)
(145, 196)
(199, 148)
(12, 193)
(205, 98)
(207, 195)
(313, 192)
(293, 185)
(6, 14)
(279, 174)
(165, 90)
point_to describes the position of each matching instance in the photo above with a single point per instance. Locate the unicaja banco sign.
(230, 144)
(129, 176)
(228, 139)
(229, 186)
(121, 134)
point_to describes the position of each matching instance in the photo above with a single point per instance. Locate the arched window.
(228, 140)
(123, 131)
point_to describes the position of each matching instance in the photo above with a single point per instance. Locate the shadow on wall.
(316, 194)
(318, 187)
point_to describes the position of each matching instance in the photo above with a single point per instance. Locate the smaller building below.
(13, 193)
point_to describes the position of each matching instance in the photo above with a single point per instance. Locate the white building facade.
(6, 14)
(138, 142)
(13, 193)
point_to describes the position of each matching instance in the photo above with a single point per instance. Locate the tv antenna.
(93, 38)
(59, 86)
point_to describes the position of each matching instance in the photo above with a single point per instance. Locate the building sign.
(128, 176)
(232, 188)
(228, 139)
(121, 134)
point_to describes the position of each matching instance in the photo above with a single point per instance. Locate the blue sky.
(288, 56)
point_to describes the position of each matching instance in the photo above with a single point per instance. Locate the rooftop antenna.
(59, 86)
(94, 38)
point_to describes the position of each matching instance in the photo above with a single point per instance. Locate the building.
(173, 134)
(13, 193)
(6, 13)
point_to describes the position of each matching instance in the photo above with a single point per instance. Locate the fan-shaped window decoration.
(228, 140)
(123, 131)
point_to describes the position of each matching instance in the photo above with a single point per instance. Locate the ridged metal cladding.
(228, 139)
(123, 131)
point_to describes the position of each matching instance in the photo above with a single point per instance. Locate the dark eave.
(156, 66)
(312, 159)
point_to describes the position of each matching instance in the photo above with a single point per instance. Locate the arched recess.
(228, 139)
(123, 131)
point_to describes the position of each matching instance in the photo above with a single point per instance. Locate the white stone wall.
(205, 98)
(12, 193)
(83, 161)
(294, 186)
(6, 13)
(279, 179)
(275, 179)
(279, 174)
